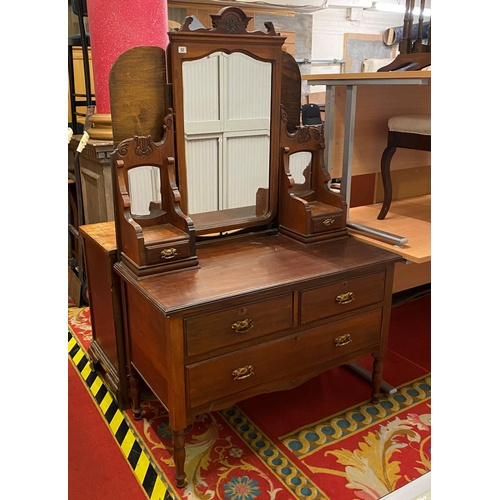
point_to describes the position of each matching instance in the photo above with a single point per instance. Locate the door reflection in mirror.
(227, 120)
(144, 186)
(300, 169)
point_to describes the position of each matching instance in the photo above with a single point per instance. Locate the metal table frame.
(352, 82)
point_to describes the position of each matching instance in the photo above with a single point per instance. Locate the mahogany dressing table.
(238, 277)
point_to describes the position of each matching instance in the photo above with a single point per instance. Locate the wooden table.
(352, 81)
(261, 313)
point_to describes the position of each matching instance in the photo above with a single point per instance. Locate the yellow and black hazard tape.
(145, 471)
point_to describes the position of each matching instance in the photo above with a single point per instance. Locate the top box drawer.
(208, 332)
(341, 297)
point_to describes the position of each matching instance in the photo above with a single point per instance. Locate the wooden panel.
(406, 183)
(148, 343)
(103, 233)
(291, 90)
(363, 190)
(410, 218)
(341, 297)
(137, 93)
(408, 276)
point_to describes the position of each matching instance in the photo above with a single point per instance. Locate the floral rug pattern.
(360, 453)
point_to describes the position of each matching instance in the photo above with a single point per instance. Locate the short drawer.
(158, 254)
(340, 297)
(327, 222)
(294, 356)
(208, 332)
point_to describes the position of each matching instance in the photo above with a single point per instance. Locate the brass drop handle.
(242, 326)
(345, 298)
(243, 372)
(342, 340)
(168, 253)
(328, 222)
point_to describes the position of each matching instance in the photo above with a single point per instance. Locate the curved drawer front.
(340, 297)
(293, 356)
(206, 333)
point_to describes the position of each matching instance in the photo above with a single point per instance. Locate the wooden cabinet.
(259, 314)
(107, 348)
(97, 185)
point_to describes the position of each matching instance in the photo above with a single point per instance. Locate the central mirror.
(227, 124)
(226, 85)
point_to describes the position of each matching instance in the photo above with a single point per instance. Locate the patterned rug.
(313, 442)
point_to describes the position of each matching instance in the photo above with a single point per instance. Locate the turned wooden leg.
(135, 393)
(179, 458)
(378, 365)
(385, 168)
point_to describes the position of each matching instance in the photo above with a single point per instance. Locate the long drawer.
(206, 333)
(342, 296)
(290, 357)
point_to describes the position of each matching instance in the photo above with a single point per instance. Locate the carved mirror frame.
(228, 35)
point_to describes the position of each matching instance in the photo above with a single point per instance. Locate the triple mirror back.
(220, 110)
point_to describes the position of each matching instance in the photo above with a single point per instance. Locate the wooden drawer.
(308, 352)
(341, 297)
(158, 254)
(327, 222)
(208, 332)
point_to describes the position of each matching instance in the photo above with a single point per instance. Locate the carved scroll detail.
(302, 134)
(144, 146)
(229, 20)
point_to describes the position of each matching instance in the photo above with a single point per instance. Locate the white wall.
(329, 26)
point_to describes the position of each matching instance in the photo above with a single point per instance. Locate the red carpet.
(321, 440)
(96, 467)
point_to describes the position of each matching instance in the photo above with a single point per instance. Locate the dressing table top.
(235, 267)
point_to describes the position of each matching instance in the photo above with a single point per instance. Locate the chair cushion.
(411, 124)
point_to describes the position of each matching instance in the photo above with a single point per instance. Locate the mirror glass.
(144, 190)
(299, 165)
(227, 121)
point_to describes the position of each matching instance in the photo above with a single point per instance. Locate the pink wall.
(116, 26)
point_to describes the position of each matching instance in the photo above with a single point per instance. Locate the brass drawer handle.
(168, 253)
(345, 298)
(242, 326)
(243, 372)
(342, 340)
(328, 222)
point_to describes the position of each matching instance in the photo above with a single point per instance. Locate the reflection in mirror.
(144, 190)
(300, 169)
(227, 110)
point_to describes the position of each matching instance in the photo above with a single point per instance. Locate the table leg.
(135, 393)
(179, 457)
(368, 375)
(345, 186)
